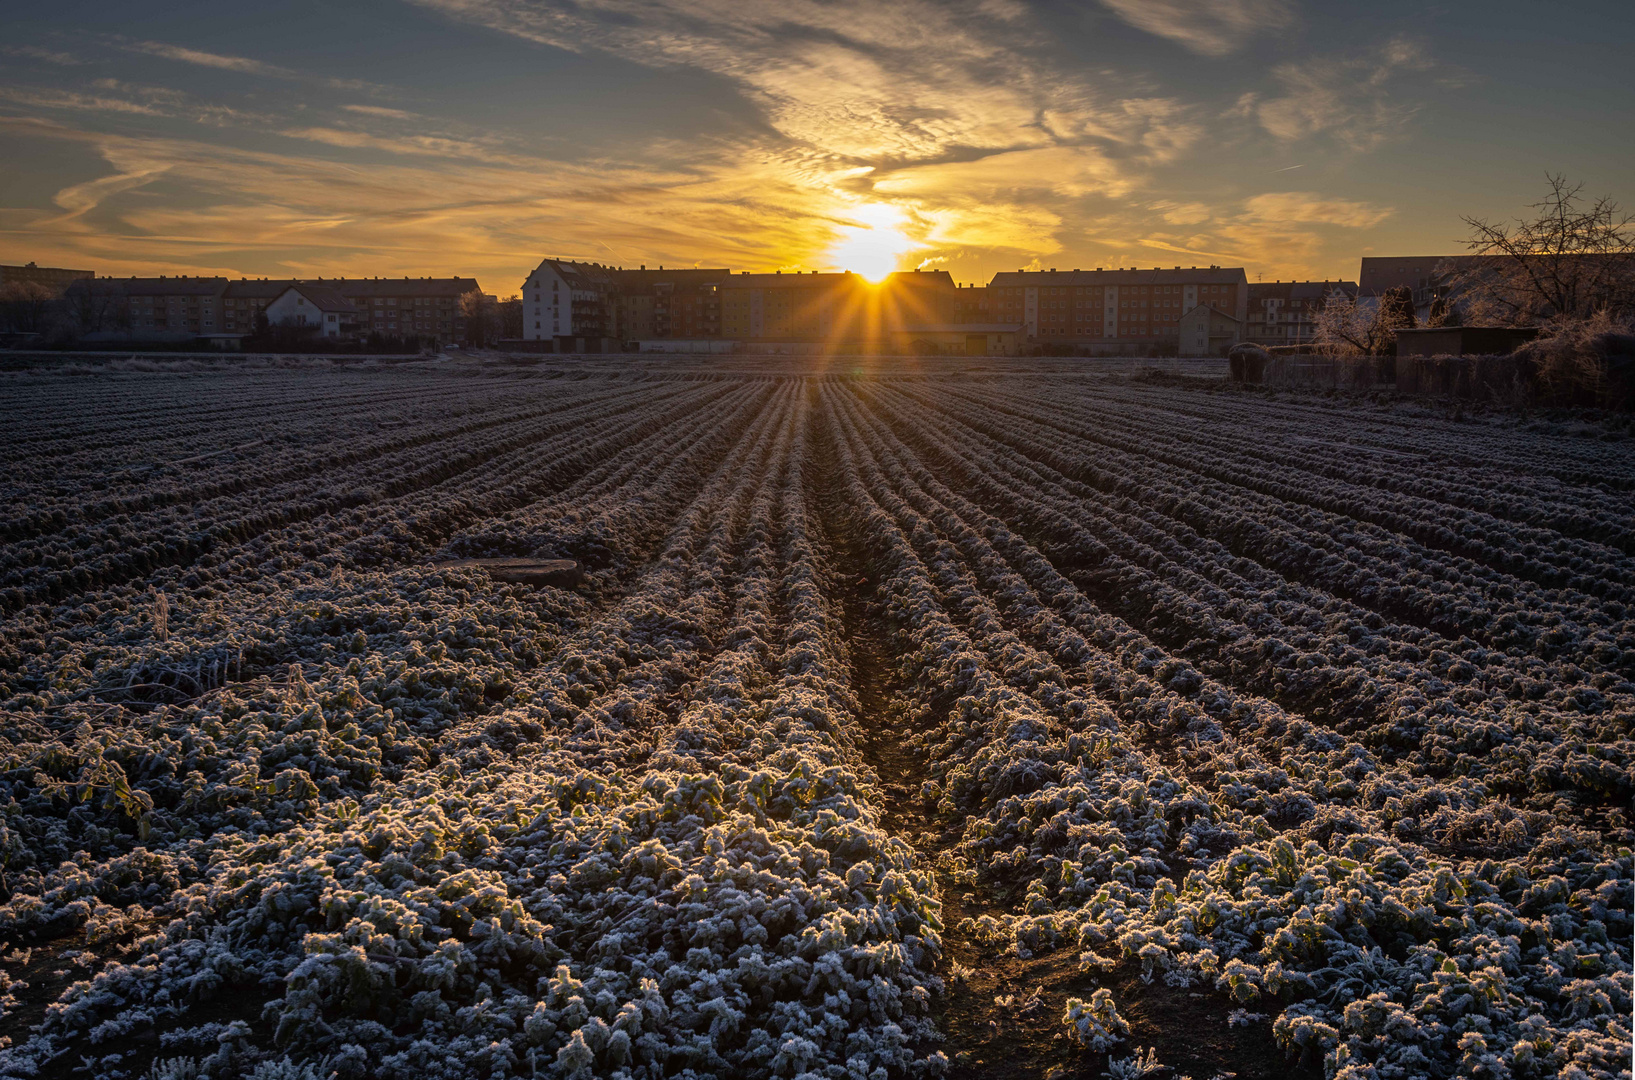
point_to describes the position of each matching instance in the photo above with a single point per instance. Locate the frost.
(1134, 1068)
(1095, 1023)
(1315, 708)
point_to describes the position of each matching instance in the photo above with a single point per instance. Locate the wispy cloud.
(35, 52)
(421, 145)
(242, 64)
(1187, 213)
(68, 99)
(198, 57)
(1306, 207)
(1209, 27)
(1359, 101)
(381, 111)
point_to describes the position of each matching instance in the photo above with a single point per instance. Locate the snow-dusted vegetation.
(1321, 711)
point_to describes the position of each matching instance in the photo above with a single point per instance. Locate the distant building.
(54, 278)
(918, 298)
(224, 310)
(1428, 277)
(1207, 331)
(1425, 275)
(1111, 311)
(664, 304)
(838, 312)
(246, 298)
(320, 307)
(398, 307)
(973, 304)
(170, 306)
(1285, 312)
(959, 339)
(570, 304)
(794, 308)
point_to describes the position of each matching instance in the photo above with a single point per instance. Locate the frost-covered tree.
(1571, 259)
(1349, 324)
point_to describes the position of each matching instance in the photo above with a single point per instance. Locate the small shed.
(1464, 340)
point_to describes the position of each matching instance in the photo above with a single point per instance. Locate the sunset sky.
(475, 136)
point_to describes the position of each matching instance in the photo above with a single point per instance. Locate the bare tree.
(1572, 259)
(91, 305)
(1397, 309)
(26, 307)
(481, 315)
(1348, 325)
(510, 317)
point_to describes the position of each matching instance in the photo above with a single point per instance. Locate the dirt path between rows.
(1001, 1013)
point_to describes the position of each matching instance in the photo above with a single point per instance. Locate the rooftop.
(1176, 275)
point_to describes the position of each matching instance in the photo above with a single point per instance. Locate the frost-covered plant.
(1310, 711)
(1136, 1067)
(285, 1069)
(1095, 1023)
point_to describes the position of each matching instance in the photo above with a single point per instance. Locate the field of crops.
(976, 723)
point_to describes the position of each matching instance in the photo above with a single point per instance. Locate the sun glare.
(873, 247)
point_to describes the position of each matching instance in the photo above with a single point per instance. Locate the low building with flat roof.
(960, 339)
(55, 278)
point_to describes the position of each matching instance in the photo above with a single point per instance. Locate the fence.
(1318, 372)
(1470, 377)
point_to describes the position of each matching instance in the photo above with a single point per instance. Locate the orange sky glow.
(436, 137)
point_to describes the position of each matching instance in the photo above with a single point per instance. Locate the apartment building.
(570, 304)
(244, 299)
(398, 307)
(838, 310)
(1112, 310)
(667, 304)
(1426, 275)
(912, 298)
(973, 304)
(1285, 312)
(220, 308)
(166, 306)
(55, 278)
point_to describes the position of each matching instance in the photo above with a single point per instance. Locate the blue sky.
(475, 136)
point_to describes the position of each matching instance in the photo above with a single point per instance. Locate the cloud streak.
(1207, 27)
(243, 65)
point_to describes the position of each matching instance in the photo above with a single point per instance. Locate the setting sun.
(873, 247)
